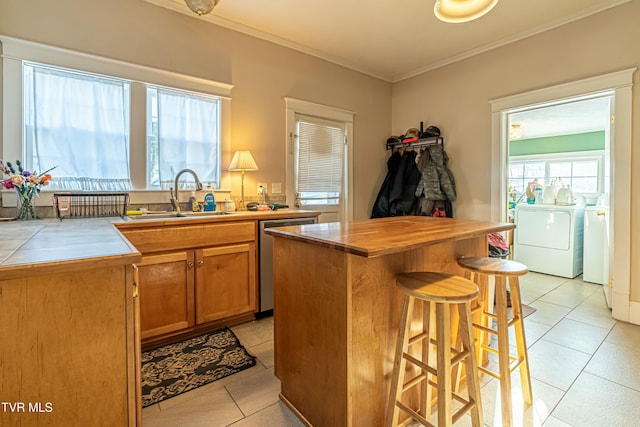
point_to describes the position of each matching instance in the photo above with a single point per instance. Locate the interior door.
(319, 159)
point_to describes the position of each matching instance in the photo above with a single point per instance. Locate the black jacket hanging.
(403, 191)
(382, 206)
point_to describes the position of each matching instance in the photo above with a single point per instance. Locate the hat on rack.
(411, 135)
(431, 131)
(394, 139)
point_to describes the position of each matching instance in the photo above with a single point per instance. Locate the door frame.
(297, 106)
(620, 83)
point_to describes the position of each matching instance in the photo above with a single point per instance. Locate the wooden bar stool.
(502, 270)
(442, 291)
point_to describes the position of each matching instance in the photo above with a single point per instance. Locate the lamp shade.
(243, 161)
(462, 10)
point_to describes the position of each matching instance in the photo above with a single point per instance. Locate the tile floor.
(585, 370)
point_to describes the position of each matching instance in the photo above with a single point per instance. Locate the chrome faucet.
(174, 191)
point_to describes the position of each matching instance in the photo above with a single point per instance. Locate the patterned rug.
(176, 368)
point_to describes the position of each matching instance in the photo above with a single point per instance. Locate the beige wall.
(456, 98)
(262, 74)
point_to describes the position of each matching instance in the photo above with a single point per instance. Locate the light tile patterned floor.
(585, 370)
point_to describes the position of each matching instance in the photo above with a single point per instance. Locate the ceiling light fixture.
(516, 131)
(462, 10)
(201, 7)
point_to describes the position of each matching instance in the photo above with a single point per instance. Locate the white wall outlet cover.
(262, 187)
(276, 188)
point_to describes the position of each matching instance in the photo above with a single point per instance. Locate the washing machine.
(549, 239)
(596, 248)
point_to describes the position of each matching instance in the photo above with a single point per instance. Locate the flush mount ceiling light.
(516, 131)
(201, 7)
(462, 10)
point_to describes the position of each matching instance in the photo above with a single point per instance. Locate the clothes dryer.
(550, 238)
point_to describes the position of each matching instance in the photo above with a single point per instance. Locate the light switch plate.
(276, 188)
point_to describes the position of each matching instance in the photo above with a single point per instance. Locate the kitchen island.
(337, 308)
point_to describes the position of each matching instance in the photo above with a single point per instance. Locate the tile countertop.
(50, 245)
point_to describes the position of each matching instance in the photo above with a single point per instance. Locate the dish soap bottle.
(193, 202)
(209, 200)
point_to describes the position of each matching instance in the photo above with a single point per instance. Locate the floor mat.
(176, 368)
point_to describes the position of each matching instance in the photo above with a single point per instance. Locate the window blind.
(320, 156)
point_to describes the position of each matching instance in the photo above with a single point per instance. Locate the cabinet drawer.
(190, 236)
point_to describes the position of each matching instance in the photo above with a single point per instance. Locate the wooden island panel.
(66, 351)
(336, 313)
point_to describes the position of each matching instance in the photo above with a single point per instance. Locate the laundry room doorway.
(585, 161)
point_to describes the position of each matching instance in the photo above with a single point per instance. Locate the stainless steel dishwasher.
(266, 259)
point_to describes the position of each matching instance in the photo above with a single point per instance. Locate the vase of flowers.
(27, 185)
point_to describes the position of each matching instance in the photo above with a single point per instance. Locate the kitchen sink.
(167, 215)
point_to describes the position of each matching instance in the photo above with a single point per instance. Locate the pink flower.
(17, 179)
(7, 183)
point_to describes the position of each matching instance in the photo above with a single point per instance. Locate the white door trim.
(620, 82)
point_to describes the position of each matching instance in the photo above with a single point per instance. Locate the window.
(319, 161)
(183, 131)
(581, 174)
(100, 121)
(79, 124)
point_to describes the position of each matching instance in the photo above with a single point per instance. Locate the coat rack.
(422, 142)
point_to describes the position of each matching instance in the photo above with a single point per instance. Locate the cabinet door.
(225, 281)
(166, 293)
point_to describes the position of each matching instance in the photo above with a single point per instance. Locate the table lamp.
(243, 161)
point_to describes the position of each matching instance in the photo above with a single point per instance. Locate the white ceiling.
(587, 114)
(389, 39)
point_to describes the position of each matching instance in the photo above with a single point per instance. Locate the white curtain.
(188, 136)
(79, 124)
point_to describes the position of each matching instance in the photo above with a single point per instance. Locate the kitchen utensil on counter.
(229, 205)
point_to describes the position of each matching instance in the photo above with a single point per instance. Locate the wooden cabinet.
(195, 278)
(225, 281)
(166, 293)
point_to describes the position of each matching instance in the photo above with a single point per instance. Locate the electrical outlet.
(262, 188)
(276, 188)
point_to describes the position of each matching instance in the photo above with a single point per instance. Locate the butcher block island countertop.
(337, 307)
(383, 236)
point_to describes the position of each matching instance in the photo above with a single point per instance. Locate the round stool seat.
(493, 266)
(437, 287)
